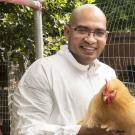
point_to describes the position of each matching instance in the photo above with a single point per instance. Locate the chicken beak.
(105, 98)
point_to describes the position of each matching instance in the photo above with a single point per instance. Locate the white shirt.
(53, 94)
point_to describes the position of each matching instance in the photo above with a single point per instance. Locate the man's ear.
(66, 31)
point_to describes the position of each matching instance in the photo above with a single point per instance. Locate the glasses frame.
(88, 32)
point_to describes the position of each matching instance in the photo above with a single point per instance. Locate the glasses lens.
(80, 30)
(100, 33)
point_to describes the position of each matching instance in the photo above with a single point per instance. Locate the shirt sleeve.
(33, 104)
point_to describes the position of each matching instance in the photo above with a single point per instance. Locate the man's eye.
(82, 30)
(100, 33)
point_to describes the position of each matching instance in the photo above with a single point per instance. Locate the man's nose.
(91, 33)
(90, 37)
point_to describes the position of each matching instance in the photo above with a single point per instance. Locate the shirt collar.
(64, 51)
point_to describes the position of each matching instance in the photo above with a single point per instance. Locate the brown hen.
(112, 108)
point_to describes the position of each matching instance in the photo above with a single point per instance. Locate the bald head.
(87, 10)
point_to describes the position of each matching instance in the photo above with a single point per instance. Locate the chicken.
(112, 108)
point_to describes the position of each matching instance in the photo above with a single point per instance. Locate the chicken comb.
(106, 85)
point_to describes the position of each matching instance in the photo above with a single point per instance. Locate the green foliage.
(16, 33)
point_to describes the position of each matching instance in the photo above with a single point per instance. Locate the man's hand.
(98, 131)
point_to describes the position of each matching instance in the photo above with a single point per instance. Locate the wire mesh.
(8, 80)
(120, 49)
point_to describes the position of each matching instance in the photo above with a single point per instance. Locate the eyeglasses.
(84, 31)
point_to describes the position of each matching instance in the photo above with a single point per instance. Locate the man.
(53, 95)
